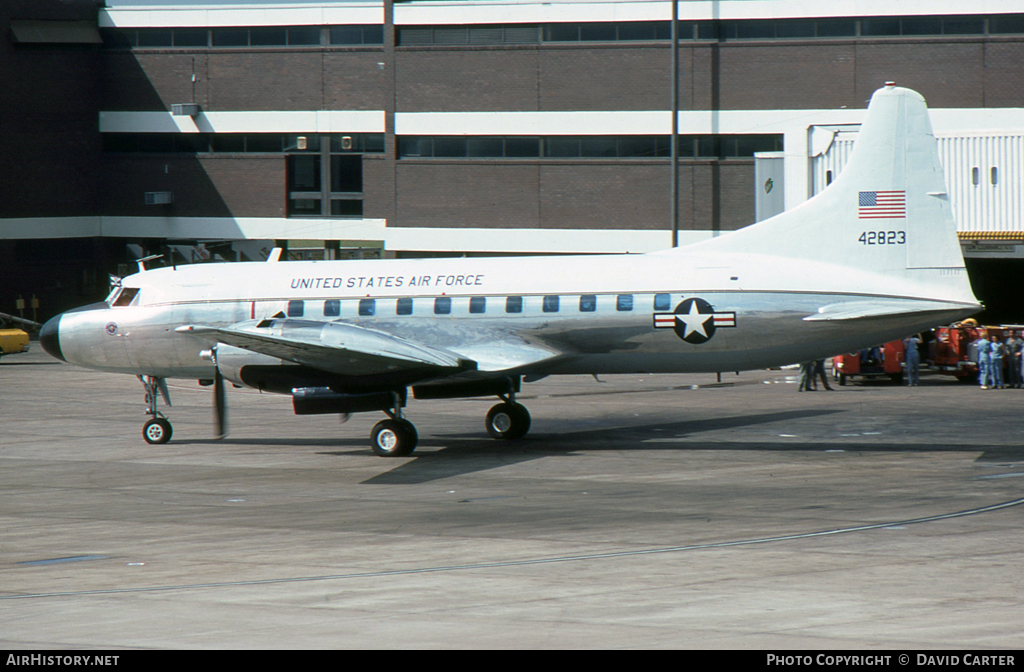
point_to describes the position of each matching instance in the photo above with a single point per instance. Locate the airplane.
(871, 258)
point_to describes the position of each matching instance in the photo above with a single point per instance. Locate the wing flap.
(507, 353)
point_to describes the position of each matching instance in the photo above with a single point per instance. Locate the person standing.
(819, 371)
(806, 377)
(996, 364)
(912, 359)
(984, 359)
(1013, 348)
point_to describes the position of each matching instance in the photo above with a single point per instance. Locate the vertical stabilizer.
(888, 212)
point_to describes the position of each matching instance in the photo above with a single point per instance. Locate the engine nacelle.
(263, 372)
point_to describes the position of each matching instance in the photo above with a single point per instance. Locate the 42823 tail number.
(883, 238)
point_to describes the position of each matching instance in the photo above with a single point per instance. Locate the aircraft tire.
(393, 438)
(509, 421)
(157, 431)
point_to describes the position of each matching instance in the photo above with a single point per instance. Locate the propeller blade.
(220, 406)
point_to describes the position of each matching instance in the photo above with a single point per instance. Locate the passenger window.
(367, 307)
(624, 302)
(332, 308)
(514, 304)
(403, 307)
(550, 304)
(478, 304)
(442, 305)
(296, 308)
(662, 301)
(588, 303)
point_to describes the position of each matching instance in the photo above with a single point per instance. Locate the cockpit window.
(126, 297)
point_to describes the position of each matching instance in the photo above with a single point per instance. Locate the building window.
(728, 29)
(325, 173)
(355, 35)
(238, 143)
(586, 147)
(269, 36)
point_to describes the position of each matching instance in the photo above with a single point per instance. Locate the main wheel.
(157, 430)
(508, 421)
(393, 438)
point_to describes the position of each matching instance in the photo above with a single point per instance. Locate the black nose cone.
(49, 338)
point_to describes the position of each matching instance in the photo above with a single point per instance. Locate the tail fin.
(887, 212)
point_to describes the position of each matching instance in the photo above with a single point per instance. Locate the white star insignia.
(694, 321)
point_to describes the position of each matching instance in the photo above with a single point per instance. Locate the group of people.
(995, 357)
(999, 362)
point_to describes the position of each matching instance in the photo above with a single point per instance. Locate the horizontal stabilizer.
(856, 310)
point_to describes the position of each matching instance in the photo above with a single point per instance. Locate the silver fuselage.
(592, 329)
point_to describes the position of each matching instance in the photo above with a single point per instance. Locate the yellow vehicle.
(13, 340)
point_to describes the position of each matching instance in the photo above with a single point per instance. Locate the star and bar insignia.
(694, 320)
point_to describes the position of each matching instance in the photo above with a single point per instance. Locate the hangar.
(205, 129)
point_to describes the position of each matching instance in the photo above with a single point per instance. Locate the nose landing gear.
(157, 429)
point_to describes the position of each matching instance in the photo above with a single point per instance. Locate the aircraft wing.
(332, 346)
(353, 350)
(855, 310)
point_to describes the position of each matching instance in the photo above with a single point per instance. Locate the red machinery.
(884, 360)
(952, 350)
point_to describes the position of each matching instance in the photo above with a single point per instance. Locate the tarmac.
(641, 512)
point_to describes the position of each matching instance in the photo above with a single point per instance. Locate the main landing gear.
(157, 429)
(396, 436)
(508, 420)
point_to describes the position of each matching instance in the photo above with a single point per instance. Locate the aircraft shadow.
(443, 456)
(467, 453)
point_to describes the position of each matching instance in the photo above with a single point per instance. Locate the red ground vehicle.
(884, 360)
(952, 350)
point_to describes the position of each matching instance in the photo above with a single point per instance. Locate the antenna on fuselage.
(142, 262)
(275, 254)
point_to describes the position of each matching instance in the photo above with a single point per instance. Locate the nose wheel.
(157, 429)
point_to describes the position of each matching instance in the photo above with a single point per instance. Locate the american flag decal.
(882, 205)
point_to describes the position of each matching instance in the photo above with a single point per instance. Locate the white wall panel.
(253, 14)
(314, 121)
(978, 204)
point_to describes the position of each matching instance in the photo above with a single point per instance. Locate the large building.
(198, 128)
